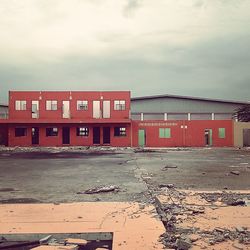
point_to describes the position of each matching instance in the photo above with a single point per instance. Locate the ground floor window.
(119, 131)
(164, 133)
(222, 133)
(52, 131)
(82, 131)
(20, 132)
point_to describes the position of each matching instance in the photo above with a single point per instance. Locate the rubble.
(101, 189)
(168, 167)
(235, 172)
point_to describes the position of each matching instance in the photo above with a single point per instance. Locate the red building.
(80, 118)
(69, 118)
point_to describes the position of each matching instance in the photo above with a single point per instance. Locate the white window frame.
(119, 105)
(51, 105)
(21, 105)
(83, 131)
(82, 105)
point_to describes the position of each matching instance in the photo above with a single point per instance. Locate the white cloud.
(52, 29)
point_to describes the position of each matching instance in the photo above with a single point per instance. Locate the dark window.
(20, 132)
(52, 131)
(119, 105)
(120, 131)
(82, 131)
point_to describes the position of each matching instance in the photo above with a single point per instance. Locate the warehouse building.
(86, 118)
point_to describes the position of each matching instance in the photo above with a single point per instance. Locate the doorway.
(35, 136)
(208, 137)
(106, 135)
(142, 137)
(246, 137)
(66, 135)
(96, 135)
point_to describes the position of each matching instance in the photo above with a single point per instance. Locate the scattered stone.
(168, 166)
(166, 186)
(101, 189)
(240, 229)
(194, 237)
(7, 189)
(232, 202)
(235, 172)
(79, 242)
(183, 244)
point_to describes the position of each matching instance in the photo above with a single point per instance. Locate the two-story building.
(48, 118)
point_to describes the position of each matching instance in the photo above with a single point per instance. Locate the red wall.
(74, 140)
(61, 96)
(192, 136)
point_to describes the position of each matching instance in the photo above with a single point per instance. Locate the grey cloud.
(131, 6)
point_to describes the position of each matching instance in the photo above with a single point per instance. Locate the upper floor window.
(51, 105)
(119, 105)
(82, 105)
(21, 105)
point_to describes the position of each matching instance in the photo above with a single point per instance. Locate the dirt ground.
(200, 196)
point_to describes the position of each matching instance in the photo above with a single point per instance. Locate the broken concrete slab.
(235, 172)
(101, 189)
(59, 247)
(79, 242)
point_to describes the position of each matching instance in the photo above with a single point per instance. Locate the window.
(52, 131)
(20, 132)
(82, 131)
(120, 131)
(119, 105)
(82, 105)
(222, 133)
(164, 133)
(51, 105)
(21, 105)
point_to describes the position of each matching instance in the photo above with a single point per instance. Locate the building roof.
(189, 98)
(4, 105)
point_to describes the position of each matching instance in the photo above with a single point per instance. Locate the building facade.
(87, 118)
(69, 118)
(179, 121)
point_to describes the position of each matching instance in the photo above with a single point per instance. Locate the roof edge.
(188, 97)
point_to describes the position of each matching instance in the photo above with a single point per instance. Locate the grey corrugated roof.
(188, 97)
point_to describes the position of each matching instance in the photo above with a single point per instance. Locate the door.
(96, 109)
(66, 135)
(246, 137)
(35, 136)
(141, 137)
(106, 109)
(96, 135)
(35, 109)
(66, 111)
(106, 135)
(208, 137)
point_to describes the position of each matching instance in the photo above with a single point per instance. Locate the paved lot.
(58, 176)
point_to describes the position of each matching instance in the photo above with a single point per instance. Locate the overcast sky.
(184, 47)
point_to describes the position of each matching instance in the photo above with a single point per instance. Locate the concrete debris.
(79, 242)
(101, 189)
(166, 186)
(235, 172)
(168, 167)
(183, 244)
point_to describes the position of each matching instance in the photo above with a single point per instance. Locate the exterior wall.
(181, 105)
(72, 97)
(183, 133)
(47, 141)
(238, 132)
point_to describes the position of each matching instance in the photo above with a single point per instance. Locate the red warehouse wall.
(183, 133)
